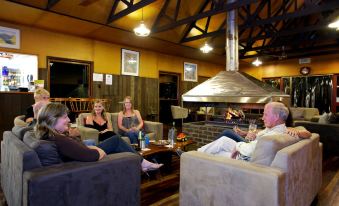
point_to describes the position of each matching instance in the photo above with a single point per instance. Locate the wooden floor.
(164, 189)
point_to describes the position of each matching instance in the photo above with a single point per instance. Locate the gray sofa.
(281, 173)
(26, 182)
(329, 135)
(153, 129)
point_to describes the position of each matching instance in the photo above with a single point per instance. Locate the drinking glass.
(252, 128)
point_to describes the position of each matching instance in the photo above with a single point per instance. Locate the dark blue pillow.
(47, 150)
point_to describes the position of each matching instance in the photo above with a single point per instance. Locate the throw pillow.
(324, 118)
(268, 146)
(297, 113)
(47, 150)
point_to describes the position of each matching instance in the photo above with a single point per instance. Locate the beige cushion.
(297, 113)
(268, 146)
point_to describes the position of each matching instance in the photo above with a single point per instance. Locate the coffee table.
(157, 149)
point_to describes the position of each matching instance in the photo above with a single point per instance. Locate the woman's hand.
(74, 132)
(234, 153)
(101, 152)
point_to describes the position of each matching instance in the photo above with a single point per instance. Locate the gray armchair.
(26, 182)
(281, 173)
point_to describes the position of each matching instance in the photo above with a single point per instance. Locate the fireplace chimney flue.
(232, 56)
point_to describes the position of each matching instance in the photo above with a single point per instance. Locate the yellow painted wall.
(106, 56)
(327, 64)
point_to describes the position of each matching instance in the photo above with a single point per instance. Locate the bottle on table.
(172, 133)
(141, 141)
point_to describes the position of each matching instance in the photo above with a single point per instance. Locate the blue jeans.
(89, 142)
(132, 135)
(115, 144)
(232, 135)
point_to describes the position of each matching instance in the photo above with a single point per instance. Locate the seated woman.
(52, 125)
(40, 94)
(99, 120)
(129, 121)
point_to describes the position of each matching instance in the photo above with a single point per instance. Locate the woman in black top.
(52, 125)
(100, 121)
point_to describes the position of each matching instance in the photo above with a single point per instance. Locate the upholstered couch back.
(304, 113)
(25, 181)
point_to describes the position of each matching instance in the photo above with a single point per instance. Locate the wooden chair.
(81, 105)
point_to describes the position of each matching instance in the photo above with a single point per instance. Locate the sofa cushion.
(297, 113)
(268, 146)
(47, 150)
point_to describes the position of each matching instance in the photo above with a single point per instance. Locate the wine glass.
(252, 128)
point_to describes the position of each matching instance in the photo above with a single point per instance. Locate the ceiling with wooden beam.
(269, 29)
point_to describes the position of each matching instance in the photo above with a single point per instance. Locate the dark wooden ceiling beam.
(305, 50)
(202, 15)
(324, 7)
(51, 3)
(130, 9)
(87, 2)
(190, 26)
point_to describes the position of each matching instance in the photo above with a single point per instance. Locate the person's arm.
(120, 116)
(102, 153)
(141, 122)
(74, 150)
(299, 132)
(109, 123)
(89, 120)
(240, 132)
(29, 114)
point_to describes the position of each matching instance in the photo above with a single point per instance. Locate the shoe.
(151, 167)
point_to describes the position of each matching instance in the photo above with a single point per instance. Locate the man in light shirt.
(275, 115)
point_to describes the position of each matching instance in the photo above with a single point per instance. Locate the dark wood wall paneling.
(13, 104)
(144, 93)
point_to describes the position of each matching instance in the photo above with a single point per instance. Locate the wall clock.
(305, 70)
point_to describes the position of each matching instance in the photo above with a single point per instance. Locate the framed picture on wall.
(190, 72)
(9, 38)
(129, 62)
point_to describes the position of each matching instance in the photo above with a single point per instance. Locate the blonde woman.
(40, 94)
(100, 121)
(52, 125)
(130, 121)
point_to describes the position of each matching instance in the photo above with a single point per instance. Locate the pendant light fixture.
(142, 30)
(257, 62)
(206, 48)
(334, 25)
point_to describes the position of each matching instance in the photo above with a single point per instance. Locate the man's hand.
(74, 132)
(234, 153)
(251, 136)
(292, 132)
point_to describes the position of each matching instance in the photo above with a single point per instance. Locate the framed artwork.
(190, 72)
(129, 62)
(9, 38)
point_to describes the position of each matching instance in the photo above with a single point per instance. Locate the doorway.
(168, 95)
(69, 77)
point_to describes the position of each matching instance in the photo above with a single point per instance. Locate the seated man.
(275, 115)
